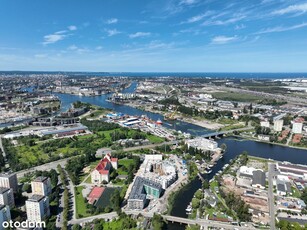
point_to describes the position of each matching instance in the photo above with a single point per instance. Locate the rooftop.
(138, 191)
(36, 198)
(40, 179)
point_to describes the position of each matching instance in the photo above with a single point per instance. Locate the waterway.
(68, 99)
(235, 146)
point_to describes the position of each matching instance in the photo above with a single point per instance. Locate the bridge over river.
(221, 133)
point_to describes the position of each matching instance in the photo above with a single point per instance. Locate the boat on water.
(188, 209)
(159, 122)
(209, 172)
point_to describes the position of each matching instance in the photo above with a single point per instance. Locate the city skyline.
(172, 35)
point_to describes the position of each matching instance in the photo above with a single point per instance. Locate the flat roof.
(40, 179)
(36, 198)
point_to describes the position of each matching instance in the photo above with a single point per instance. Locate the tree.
(26, 188)
(116, 200)
(193, 227)
(76, 227)
(158, 222)
(206, 184)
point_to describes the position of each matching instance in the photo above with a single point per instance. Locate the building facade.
(7, 197)
(5, 215)
(9, 180)
(102, 170)
(41, 186)
(37, 208)
(278, 124)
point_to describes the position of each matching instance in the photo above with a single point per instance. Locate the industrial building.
(141, 190)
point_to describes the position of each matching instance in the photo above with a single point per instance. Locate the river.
(235, 146)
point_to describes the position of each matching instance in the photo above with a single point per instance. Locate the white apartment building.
(37, 208)
(41, 186)
(5, 215)
(9, 180)
(297, 127)
(202, 143)
(7, 197)
(278, 124)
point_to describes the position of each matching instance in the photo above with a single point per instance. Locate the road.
(44, 167)
(271, 173)
(202, 222)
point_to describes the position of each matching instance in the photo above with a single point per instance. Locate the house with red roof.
(102, 170)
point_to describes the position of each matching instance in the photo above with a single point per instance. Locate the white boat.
(209, 172)
(189, 209)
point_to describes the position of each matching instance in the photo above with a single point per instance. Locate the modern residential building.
(297, 126)
(102, 170)
(5, 215)
(265, 124)
(278, 124)
(7, 197)
(37, 208)
(9, 180)
(141, 189)
(202, 143)
(41, 186)
(161, 171)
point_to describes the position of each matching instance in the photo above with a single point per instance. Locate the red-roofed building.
(95, 194)
(102, 170)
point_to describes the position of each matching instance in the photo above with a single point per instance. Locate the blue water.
(171, 74)
(68, 99)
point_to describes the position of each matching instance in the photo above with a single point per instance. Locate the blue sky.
(154, 35)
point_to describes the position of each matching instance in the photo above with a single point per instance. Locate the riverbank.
(201, 123)
(266, 142)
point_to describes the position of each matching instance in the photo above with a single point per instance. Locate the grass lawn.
(295, 192)
(80, 204)
(154, 139)
(235, 96)
(124, 162)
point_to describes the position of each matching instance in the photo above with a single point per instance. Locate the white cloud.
(188, 2)
(223, 39)
(72, 28)
(112, 21)
(72, 47)
(139, 34)
(240, 27)
(40, 55)
(281, 28)
(99, 48)
(223, 22)
(53, 38)
(198, 17)
(113, 32)
(298, 8)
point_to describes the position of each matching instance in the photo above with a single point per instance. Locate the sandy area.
(204, 123)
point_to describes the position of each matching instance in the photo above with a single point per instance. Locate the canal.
(235, 146)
